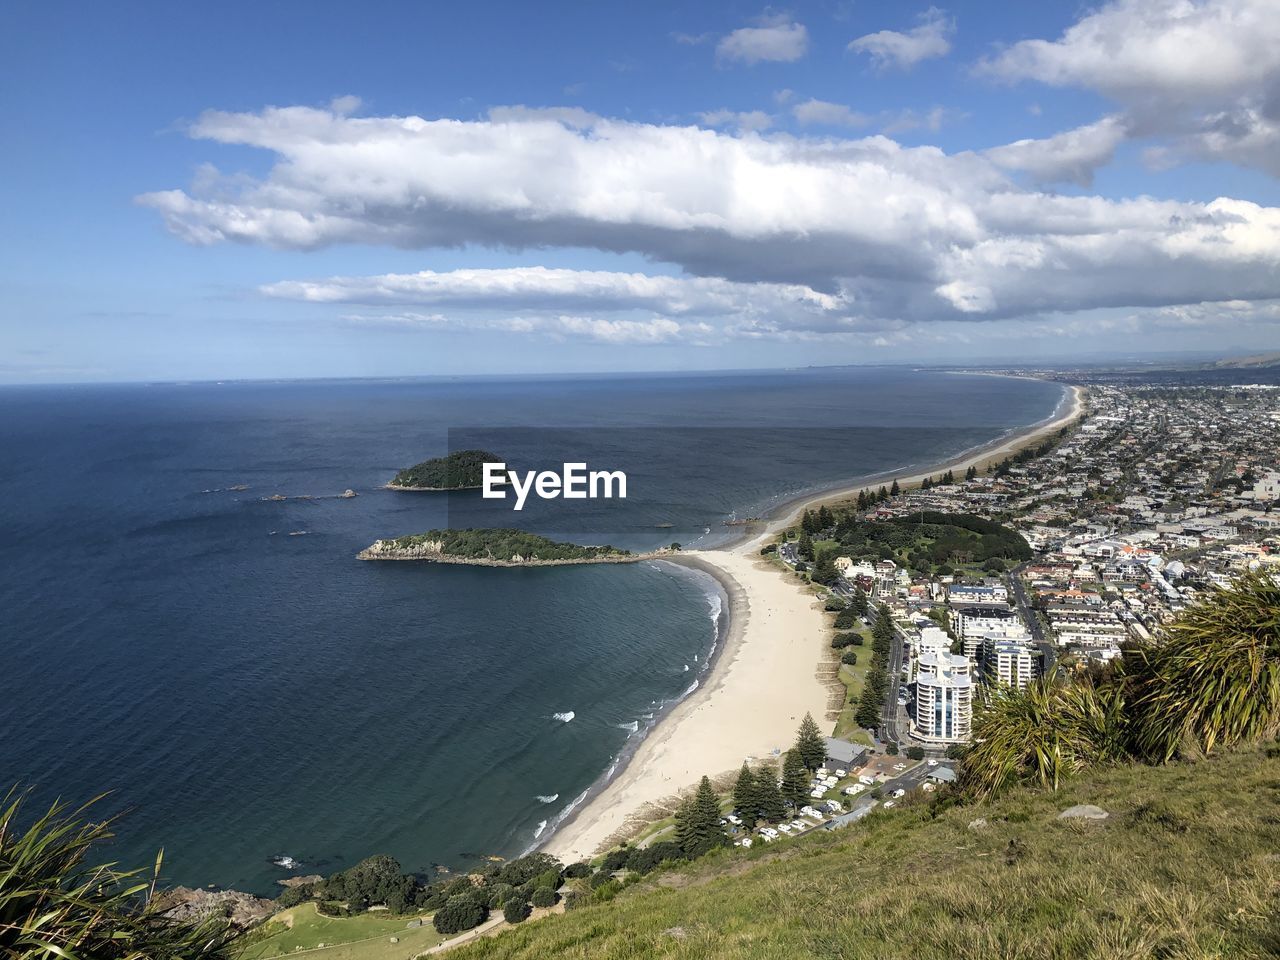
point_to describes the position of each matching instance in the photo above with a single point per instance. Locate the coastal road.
(893, 718)
(1047, 647)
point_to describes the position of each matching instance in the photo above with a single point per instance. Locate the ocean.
(243, 689)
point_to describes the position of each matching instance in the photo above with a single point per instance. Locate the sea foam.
(564, 717)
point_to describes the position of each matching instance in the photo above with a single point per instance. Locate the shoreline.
(767, 677)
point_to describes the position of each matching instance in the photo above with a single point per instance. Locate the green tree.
(517, 909)
(863, 503)
(772, 806)
(809, 522)
(849, 658)
(698, 827)
(915, 753)
(895, 490)
(795, 780)
(746, 796)
(460, 912)
(971, 473)
(544, 897)
(825, 518)
(810, 744)
(805, 546)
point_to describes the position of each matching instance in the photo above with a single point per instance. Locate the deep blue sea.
(245, 688)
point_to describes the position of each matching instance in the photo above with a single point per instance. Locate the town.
(1160, 492)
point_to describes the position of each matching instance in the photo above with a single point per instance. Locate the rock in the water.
(300, 881)
(979, 824)
(242, 909)
(1083, 811)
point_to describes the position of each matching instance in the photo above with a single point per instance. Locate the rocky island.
(460, 470)
(498, 547)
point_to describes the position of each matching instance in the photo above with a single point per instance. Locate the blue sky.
(293, 190)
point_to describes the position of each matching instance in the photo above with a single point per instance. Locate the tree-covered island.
(499, 547)
(460, 470)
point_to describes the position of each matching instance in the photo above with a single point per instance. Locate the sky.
(396, 189)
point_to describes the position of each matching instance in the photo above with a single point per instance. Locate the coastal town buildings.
(944, 698)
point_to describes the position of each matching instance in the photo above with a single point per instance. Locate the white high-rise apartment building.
(1009, 663)
(944, 698)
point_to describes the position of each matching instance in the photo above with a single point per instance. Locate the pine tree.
(971, 473)
(772, 808)
(926, 484)
(895, 490)
(862, 500)
(868, 712)
(805, 547)
(795, 781)
(746, 796)
(808, 522)
(810, 745)
(825, 519)
(949, 477)
(882, 494)
(698, 827)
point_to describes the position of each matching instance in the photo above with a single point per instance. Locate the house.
(842, 753)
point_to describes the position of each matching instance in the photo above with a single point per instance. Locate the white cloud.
(1202, 75)
(648, 331)
(828, 114)
(559, 289)
(931, 37)
(1072, 155)
(893, 233)
(748, 120)
(774, 38)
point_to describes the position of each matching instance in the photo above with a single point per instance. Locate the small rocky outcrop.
(1083, 811)
(300, 881)
(195, 906)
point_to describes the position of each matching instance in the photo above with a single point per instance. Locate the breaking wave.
(564, 717)
(548, 797)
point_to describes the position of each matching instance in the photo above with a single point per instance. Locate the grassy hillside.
(1187, 865)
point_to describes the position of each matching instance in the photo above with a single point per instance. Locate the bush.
(499, 893)
(599, 879)
(517, 910)
(615, 860)
(544, 897)
(768, 549)
(1213, 678)
(575, 870)
(849, 657)
(574, 899)
(846, 619)
(835, 604)
(891, 749)
(461, 912)
(915, 753)
(842, 640)
(1042, 735)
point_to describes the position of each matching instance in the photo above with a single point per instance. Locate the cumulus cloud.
(824, 113)
(931, 37)
(892, 233)
(1071, 156)
(774, 38)
(1202, 74)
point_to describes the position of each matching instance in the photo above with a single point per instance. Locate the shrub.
(460, 912)
(574, 899)
(1213, 678)
(544, 897)
(615, 860)
(54, 903)
(915, 753)
(517, 910)
(498, 893)
(846, 619)
(599, 879)
(849, 657)
(576, 870)
(835, 604)
(842, 640)
(1042, 735)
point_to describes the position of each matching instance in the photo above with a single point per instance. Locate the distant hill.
(460, 470)
(1185, 865)
(1248, 363)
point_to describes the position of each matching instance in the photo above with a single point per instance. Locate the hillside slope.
(1187, 865)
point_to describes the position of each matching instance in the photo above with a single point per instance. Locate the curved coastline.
(705, 735)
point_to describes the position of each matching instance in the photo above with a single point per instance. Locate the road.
(1047, 647)
(894, 724)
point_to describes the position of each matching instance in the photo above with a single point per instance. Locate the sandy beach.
(764, 680)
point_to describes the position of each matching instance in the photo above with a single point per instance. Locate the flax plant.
(1212, 679)
(54, 904)
(1042, 735)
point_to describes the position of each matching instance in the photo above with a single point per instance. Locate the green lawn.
(847, 728)
(302, 929)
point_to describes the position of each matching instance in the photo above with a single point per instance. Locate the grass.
(364, 937)
(1187, 866)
